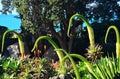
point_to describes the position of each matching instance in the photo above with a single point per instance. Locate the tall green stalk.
(89, 28)
(21, 44)
(89, 66)
(59, 53)
(72, 61)
(117, 39)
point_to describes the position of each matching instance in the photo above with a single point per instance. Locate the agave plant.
(117, 39)
(26, 69)
(9, 67)
(94, 51)
(83, 70)
(94, 56)
(59, 53)
(29, 69)
(88, 65)
(89, 28)
(72, 61)
(21, 43)
(108, 68)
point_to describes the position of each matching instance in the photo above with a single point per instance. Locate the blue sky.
(9, 20)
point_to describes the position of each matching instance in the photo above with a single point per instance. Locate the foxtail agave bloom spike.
(117, 39)
(89, 66)
(89, 28)
(59, 53)
(21, 44)
(72, 61)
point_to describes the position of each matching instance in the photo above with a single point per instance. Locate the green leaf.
(6, 64)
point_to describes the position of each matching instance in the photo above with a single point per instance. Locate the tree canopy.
(34, 12)
(40, 17)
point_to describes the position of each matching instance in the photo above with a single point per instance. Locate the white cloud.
(92, 5)
(14, 12)
(118, 3)
(0, 5)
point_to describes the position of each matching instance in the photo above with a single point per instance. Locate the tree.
(52, 11)
(40, 17)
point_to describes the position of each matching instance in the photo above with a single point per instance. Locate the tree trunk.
(61, 39)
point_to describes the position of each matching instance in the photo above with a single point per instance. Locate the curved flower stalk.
(21, 44)
(90, 31)
(89, 66)
(59, 53)
(72, 61)
(117, 39)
